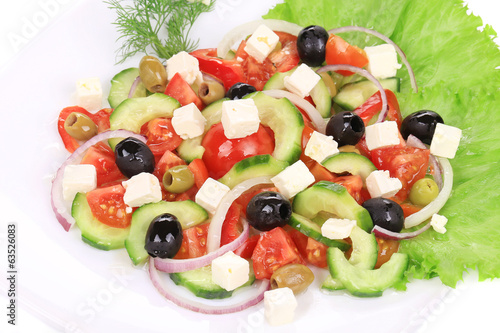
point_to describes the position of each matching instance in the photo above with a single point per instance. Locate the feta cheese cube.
(240, 118)
(78, 178)
(210, 194)
(142, 189)
(382, 61)
(382, 134)
(445, 140)
(380, 184)
(321, 146)
(337, 228)
(89, 93)
(293, 179)
(188, 122)
(230, 271)
(279, 306)
(261, 43)
(302, 81)
(186, 65)
(438, 222)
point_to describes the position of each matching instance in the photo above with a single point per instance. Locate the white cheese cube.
(438, 222)
(142, 189)
(445, 141)
(210, 194)
(302, 81)
(293, 179)
(380, 184)
(337, 228)
(240, 118)
(186, 65)
(188, 122)
(382, 134)
(89, 93)
(230, 271)
(279, 306)
(382, 61)
(78, 178)
(321, 146)
(261, 43)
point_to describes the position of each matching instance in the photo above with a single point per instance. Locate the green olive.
(153, 74)
(178, 179)
(211, 91)
(423, 191)
(349, 149)
(80, 126)
(294, 276)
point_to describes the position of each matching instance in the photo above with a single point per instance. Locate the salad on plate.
(243, 167)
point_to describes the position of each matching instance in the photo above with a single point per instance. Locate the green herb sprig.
(162, 25)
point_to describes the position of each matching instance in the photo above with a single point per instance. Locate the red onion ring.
(388, 41)
(134, 87)
(413, 141)
(169, 293)
(59, 205)
(366, 74)
(387, 234)
(183, 265)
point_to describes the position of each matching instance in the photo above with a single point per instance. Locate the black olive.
(268, 210)
(421, 124)
(239, 90)
(133, 156)
(311, 45)
(385, 213)
(164, 236)
(346, 127)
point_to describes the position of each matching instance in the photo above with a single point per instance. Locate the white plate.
(65, 285)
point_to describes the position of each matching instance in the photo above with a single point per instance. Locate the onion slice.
(311, 111)
(438, 203)
(62, 208)
(133, 88)
(184, 265)
(413, 141)
(387, 234)
(366, 74)
(169, 292)
(240, 32)
(388, 41)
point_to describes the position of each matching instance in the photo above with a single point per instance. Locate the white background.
(472, 307)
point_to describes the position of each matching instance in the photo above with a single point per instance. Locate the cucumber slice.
(352, 95)
(353, 163)
(251, 167)
(319, 94)
(95, 233)
(311, 229)
(199, 282)
(366, 282)
(187, 212)
(121, 84)
(332, 198)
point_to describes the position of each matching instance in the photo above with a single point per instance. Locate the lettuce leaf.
(455, 66)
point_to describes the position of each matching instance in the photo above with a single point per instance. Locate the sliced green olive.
(153, 74)
(423, 192)
(178, 179)
(349, 149)
(80, 126)
(211, 91)
(294, 276)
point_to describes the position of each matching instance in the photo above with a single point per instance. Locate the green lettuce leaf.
(455, 66)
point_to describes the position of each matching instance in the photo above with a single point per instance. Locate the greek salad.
(244, 165)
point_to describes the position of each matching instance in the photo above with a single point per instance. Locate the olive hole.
(284, 212)
(274, 284)
(167, 179)
(357, 125)
(204, 90)
(71, 120)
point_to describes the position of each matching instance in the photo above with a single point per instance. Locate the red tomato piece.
(338, 51)
(222, 153)
(353, 184)
(199, 170)
(408, 164)
(386, 247)
(312, 251)
(194, 242)
(409, 209)
(160, 136)
(179, 89)
(287, 57)
(101, 119)
(373, 106)
(231, 228)
(107, 206)
(103, 158)
(274, 249)
(167, 161)
(246, 249)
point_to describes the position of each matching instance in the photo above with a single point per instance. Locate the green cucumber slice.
(121, 84)
(353, 163)
(187, 212)
(95, 233)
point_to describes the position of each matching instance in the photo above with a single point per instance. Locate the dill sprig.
(162, 25)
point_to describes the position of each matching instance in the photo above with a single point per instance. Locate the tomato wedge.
(338, 51)
(231, 227)
(160, 136)
(373, 106)
(107, 206)
(312, 251)
(179, 89)
(199, 170)
(194, 242)
(103, 158)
